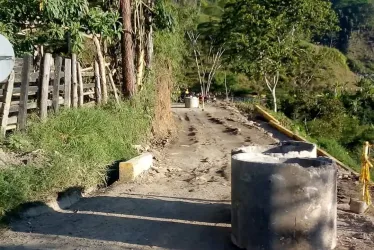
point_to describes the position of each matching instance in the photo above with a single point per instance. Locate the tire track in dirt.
(206, 135)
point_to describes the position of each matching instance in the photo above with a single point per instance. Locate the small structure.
(191, 102)
(281, 201)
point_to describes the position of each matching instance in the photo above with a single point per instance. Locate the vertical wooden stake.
(45, 85)
(22, 112)
(8, 92)
(97, 83)
(101, 59)
(140, 66)
(113, 85)
(67, 80)
(74, 94)
(80, 81)
(56, 84)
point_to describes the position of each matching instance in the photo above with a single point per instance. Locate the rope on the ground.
(365, 174)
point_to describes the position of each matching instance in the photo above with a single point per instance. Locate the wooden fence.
(59, 82)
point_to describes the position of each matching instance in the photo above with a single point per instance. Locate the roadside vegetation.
(73, 149)
(76, 147)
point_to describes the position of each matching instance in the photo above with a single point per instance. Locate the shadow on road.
(145, 222)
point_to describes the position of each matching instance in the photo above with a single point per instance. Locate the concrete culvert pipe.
(191, 102)
(288, 149)
(283, 203)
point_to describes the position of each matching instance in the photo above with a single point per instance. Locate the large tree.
(128, 68)
(262, 36)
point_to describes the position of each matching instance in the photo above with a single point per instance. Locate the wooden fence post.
(24, 96)
(45, 86)
(67, 80)
(74, 94)
(8, 92)
(97, 83)
(56, 84)
(80, 81)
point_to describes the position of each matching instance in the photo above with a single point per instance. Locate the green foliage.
(269, 29)
(263, 38)
(317, 94)
(171, 45)
(356, 21)
(238, 84)
(354, 15)
(73, 153)
(211, 11)
(357, 66)
(340, 153)
(338, 123)
(164, 19)
(337, 128)
(104, 23)
(361, 103)
(320, 135)
(305, 107)
(56, 24)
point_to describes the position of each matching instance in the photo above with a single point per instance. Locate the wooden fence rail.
(60, 82)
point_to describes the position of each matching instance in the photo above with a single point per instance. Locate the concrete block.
(129, 170)
(358, 207)
(283, 203)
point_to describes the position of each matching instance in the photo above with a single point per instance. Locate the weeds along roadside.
(75, 147)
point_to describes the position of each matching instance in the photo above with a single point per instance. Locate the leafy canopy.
(257, 30)
(55, 23)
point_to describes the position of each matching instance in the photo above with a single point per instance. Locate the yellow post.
(365, 174)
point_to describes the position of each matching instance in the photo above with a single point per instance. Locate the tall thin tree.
(149, 34)
(128, 69)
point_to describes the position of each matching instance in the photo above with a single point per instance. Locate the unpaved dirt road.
(183, 203)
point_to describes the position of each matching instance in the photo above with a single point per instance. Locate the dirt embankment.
(163, 122)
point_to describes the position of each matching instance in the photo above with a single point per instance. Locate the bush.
(246, 107)
(308, 107)
(77, 146)
(341, 128)
(339, 152)
(357, 66)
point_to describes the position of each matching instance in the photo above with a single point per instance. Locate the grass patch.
(339, 152)
(77, 146)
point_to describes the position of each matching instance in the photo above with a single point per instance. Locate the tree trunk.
(128, 69)
(140, 68)
(227, 92)
(272, 86)
(149, 49)
(149, 35)
(275, 106)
